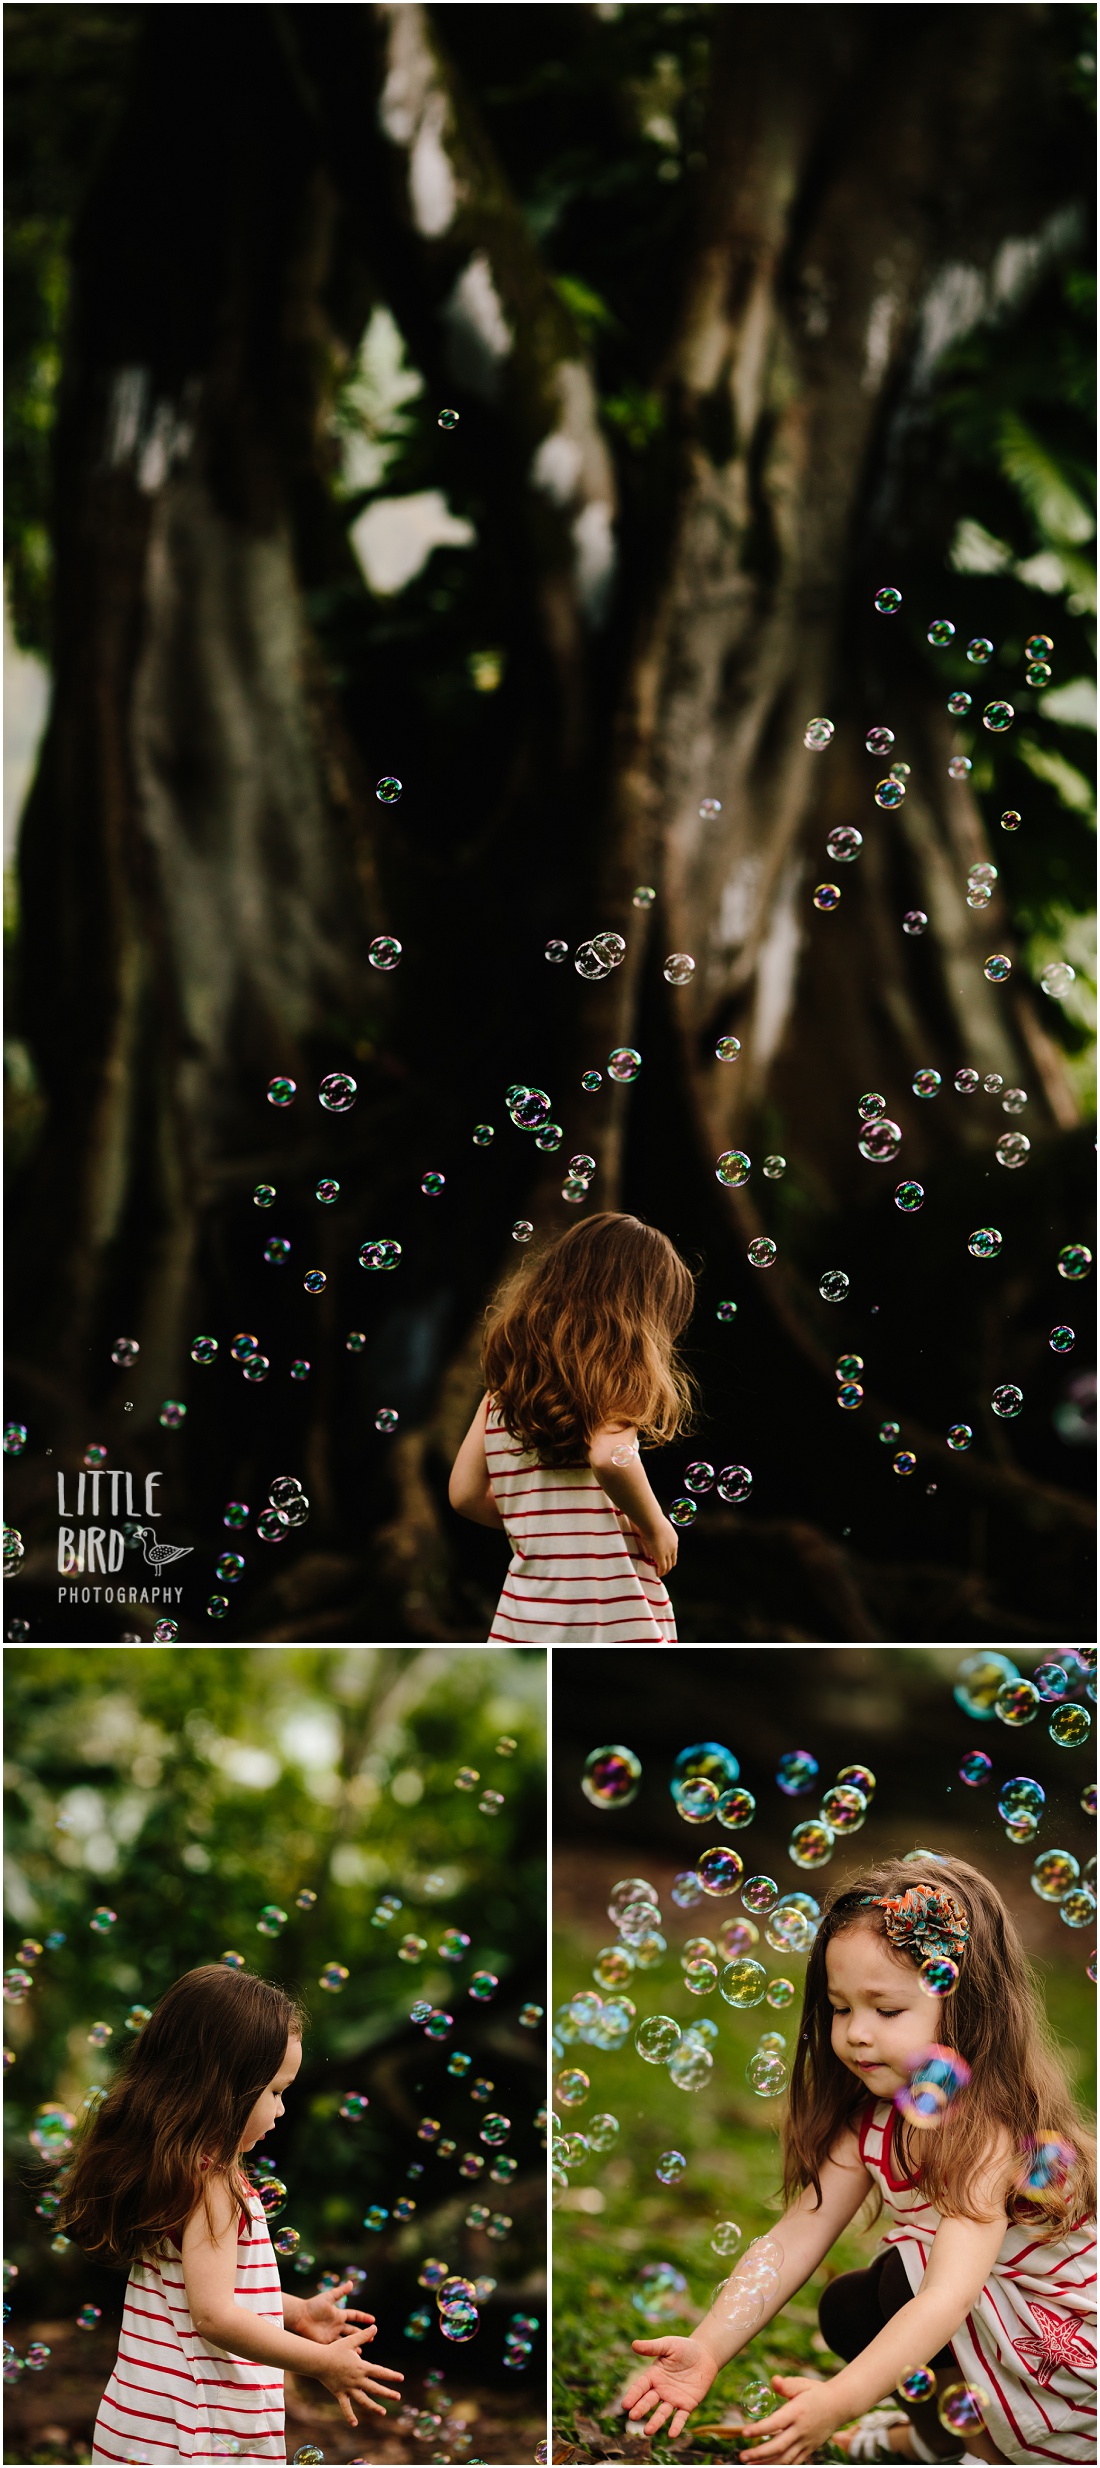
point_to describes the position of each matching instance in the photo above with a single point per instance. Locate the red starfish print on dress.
(1059, 2343)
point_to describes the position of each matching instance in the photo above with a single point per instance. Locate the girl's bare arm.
(469, 1490)
(613, 1457)
(803, 2236)
(209, 2277)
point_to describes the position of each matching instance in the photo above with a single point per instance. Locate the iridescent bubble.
(657, 2038)
(1039, 673)
(588, 964)
(720, 1871)
(1011, 820)
(796, 1772)
(849, 1366)
(937, 1975)
(1070, 1725)
(556, 950)
(905, 1462)
(871, 1106)
(889, 793)
(1078, 1909)
(644, 896)
(759, 1894)
(743, 1983)
(985, 1242)
(961, 2408)
(337, 1092)
(1052, 1681)
(88, 2317)
(679, 967)
(1074, 1262)
(172, 1414)
(761, 1253)
(624, 1064)
(611, 1777)
(165, 1632)
(726, 1311)
(909, 1196)
(602, 2132)
(483, 1136)
(774, 1168)
(727, 1049)
(914, 921)
(967, 1082)
(661, 2293)
(683, 1512)
(447, 419)
(734, 1483)
(670, 2167)
(277, 1251)
(818, 735)
(1012, 1149)
(998, 716)
(935, 2077)
(591, 1081)
(281, 1092)
(733, 1168)
(940, 631)
(1007, 1401)
(918, 2385)
(314, 1281)
(124, 1351)
(699, 1477)
(827, 896)
(879, 740)
(571, 2087)
(997, 967)
(979, 651)
(926, 1084)
(959, 1437)
(387, 1418)
(844, 844)
(611, 948)
(384, 952)
(833, 1285)
(880, 1141)
(1062, 1340)
(888, 601)
(979, 895)
(736, 1808)
(230, 1568)
(811, 1845)
(992, 1083)
(1014, 1101)
(959, 767)
(1056, 979)
(713, 805)
(548, 1139)
(844, 1808)
(767, 2074)
(388, 790)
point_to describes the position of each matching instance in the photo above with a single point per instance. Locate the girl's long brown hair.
(586, 1334)
(175, 2113)
(994, 2018)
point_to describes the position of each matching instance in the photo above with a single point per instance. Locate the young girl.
(987, 2272)
(580, 1366)
(157, 2184)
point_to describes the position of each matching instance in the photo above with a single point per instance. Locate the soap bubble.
(315, 1281)
(99, 2034)
(959, 767)
(767, 2074)
(172, 1414)
(1011, 820)
(1012, 1149)
(833, 1285)
(1074, 1262)
(937, 1975)
(88, 2317)
(699, 1477)
(660, 2294)
(277, 1251)
(547, 1140)
(811, 1845)
(849, 1396)
(556, 950)
(926, 1084)
(591, 1081)
(679, 967)
(909, 1196)
(1007, 1401)
(879, 740)
(759, 1893)
(611, 1777)
(380, 1254)
(720, 1871)
(733, 1168)
(713, 805)
(387, 1418)
(849, 1366)
(775, 1168)
(984, 1243)
(691, 2065)
(671, 2167)
(334, 1977)
(880, 1141)
(734, 1483)
(966, 1082)
(997, 967)
(736, 1808)
(229, 1568)
(914, 921)
(918, 2385)
(992, 1083)
(384, 952)
(281, 1092)
(611, 948)
(818, 735)
(761, 1253)
(844, 1808)
(1070, 1725)
(959, 1437)
(683, 1512)
(961, 2408)
(888, 601)
(998, 716)
(1052, 1680)
(1014, 1101)
(979, 651)
(940, 631)
(571, 2087)
(1062, 1340)
(935, 2077)
(624, 1064)
(1039, 673)
(590, 963)
(657, 2038)
(1079, 1909)
(388, 790)
(1017, 1702)
(827, 896)
(271, 1920)
(727, 1049)
(337, 1092)
(644, 896)
(844, 844)
(726, 1312)
(1056, 979)
(871, 1106)
(889, 793)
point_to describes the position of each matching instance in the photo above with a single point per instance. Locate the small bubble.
(879, 740)
(624, 1064)
(281, 1092)
(679, 967)
(984, 1243)
(388, 790)
(880, 1141)
(315, 1281)
(125, 1350)
(774, 1168)
(998, 716)
(909, 1196)
(914, 921)
(1039, 674)
(959, 767)
(1007, 1401)
(833, 1286)
(277, 1251)
(1013, 1148)
(888, 1433)
(761, 1253)
(926, 1084)
(844, 844)
(591, 1081)
(431, 1185)
(726, 1311)
(387, 1418)
(1062, 1340)
(727, 1049)
(940, 631)
(997, 968)
(556, 951)
(337, 1092)
(819, 734)
(1056, 979)
(979, 651)
(327, 1191)
(1010, 820)
(905, 1462)
(1074, 1262)
(384, 952)
(522, 1230)
(713, 805)
(890, 793)
(172, 1414)
(827, 896)
(959, 704)
(959, 1437)
(644, 896)
(447, 419)
(888, 601)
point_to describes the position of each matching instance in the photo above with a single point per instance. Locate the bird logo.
(161, 1555)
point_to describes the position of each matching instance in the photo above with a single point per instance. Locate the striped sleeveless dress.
(579, 1575)
(1030, 2340)
(172, 2396)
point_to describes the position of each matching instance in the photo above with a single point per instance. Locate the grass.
(617, 2216)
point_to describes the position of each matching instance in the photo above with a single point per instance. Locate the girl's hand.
(324, 2318)
(678, 2378)
(348, 2376)
(662, 1545)
(796, 2431)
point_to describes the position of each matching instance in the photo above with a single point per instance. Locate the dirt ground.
(50, 2415)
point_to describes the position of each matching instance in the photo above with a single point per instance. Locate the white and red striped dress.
(172, 2396)
(579, 1575)
(1030, 2340)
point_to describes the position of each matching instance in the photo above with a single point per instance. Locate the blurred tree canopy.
(730, 347)
(186, 1792)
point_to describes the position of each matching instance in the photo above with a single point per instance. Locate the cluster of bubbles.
(989, 1687)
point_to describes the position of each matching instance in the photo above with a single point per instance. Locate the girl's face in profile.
(881, 2015)
(269, 2106)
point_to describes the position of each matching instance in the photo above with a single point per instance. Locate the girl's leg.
(851, 2313)
(893, 2292)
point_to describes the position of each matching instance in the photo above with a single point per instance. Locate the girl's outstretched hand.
(679, 2376)
(661, 1544)
(324, 2318)
(348, 2376)
(797, 2430)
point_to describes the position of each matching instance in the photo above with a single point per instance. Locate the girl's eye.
(889, 2013)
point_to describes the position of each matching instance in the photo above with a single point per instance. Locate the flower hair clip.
(923, 1921)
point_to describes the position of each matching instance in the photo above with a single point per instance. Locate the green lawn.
(730, 2139)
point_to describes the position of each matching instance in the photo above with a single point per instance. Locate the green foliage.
(194, 1789)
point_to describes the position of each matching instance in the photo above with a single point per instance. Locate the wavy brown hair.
(586, 1333)
(993, 2016)
(175, 2113)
